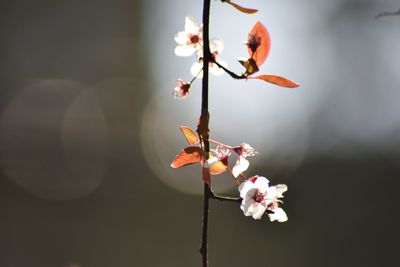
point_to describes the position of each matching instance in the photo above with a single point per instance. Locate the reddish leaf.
(189, 155)
(191, 136)
(259, 43)
(217, 168)
(242, 9)
(278, 80)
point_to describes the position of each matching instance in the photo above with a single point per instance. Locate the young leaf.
(217, 168)
(250, 65)
(259, 43)
(278, 80)
(191, 136)
(242, 9)
(189, 155)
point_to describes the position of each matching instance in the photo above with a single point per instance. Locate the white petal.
(262, 184)
(260, 211)
(241, 165)
(191, 26)
(196, 68)
(278, 215)
(216, 45)
(184, 50)
(211, 161)
(247, 190)
(280, 189)
(181, 38)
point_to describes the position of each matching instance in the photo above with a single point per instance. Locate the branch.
(231, 73)
(387, 14)
(204, 111)
(223, 198)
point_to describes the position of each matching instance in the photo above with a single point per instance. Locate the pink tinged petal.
(241, 165)
(196, 68)
(184, 50)
(278, 215)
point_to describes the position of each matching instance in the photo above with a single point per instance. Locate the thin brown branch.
(231, 73)
(388, 14)
(204, 111)
(224, 198)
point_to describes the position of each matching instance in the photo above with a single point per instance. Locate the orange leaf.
(243, 9)
(191, 136)
(259, 43)
(189, 155)
(217, 168)
(278, 80)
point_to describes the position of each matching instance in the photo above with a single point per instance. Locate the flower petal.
(181, 38)
(216, 46)
(241, 165)
(196, 68)
(262, 184)
(278, 215)
(191, 26)
(184, 50)
(280, 189)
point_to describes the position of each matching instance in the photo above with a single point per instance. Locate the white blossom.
(258, 197)
(190, 40)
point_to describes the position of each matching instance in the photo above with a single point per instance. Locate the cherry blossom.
(218, 154)
(182, 90)
(216, 47)
(258, 197)
(242, 164)
(190, 40)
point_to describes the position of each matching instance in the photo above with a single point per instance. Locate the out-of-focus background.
(88, 128)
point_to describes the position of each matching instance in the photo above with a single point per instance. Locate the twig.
(387, 14)
(223, 198)
(231, 73)
(204, 110)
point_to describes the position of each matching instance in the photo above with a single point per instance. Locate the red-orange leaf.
(259, 43)
(243, 9)
(278, 80)
(189, 155)
(217, 168)
(191, 136)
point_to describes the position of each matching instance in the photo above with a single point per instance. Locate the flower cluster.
(256, 194)
(189, 42)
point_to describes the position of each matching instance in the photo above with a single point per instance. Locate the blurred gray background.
(88, 128)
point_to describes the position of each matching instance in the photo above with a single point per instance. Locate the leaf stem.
(231, 73)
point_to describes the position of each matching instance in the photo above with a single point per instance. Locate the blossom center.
(253, 42)
(194, 39)
(258, 197)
